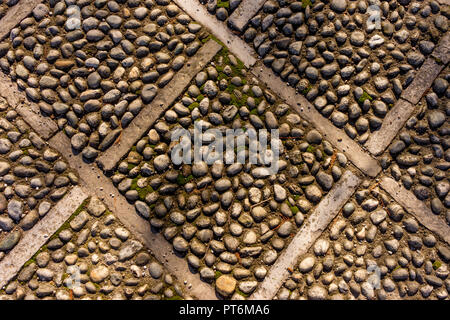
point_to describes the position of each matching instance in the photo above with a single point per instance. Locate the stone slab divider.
(33, 239)
(417, 208)
(246, 10)
(361, 159)
(16, 14)
(28, 110)
(94, 182)
(153, 111)
(220, 30)
(405, 106)
(314, 226)
(392, 123)
(423, 80)
(442, 51)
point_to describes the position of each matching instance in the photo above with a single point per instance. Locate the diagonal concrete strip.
(315, 225)
(28, 110)
(361, 159)
(416, 207)
(16, 14)
(244, 12)
(94, 182)
(392, 123)
(32, 240)
(423, 80)
(442, 51)
(220, 30)
(153, 111)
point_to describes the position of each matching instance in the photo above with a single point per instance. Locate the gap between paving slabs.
(35, 238)
(316, 223)
(16, 14)
(152, 112)
(94, 182)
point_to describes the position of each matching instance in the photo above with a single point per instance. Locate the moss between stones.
(223, 4)
(182, 180)
(193, 105)
(437, 264)
(364, 97)
(306, 3)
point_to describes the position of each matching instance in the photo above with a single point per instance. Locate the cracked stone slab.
(16, 14)
(394, 121)
(317, 222)
(93, 180)
(153, 111)
(35, 238)
(246, 10)
(303, 107)
(416, 208)
(423, 80)
(220, 30)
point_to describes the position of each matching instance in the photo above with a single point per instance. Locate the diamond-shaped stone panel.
(372, 250)
(353, 71)
(93, 67)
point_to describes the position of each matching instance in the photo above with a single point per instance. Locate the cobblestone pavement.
(353, 96)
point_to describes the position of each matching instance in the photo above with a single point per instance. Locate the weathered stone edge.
(404, 107)
(30, 111)
(314, 226)
(94, 182)
(244, 12)
(392, 123)
(153, 111)
(417, 208)
(442, 51)
(423, 80)
(306, 110)
(220, 30)
(33, 239)
(16, 14)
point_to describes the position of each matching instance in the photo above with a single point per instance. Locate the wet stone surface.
(33, 177)
(419, 157)
(94, 75)
(353, 71)
(93, 257)
(372, 250)
(229, 220)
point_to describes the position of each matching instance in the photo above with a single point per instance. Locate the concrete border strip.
(442, 51)
(244, 12)
(30, 111)
(361, 159)
(314, 226)
(422, 81)
(416, 207)
(153, 111)
(392, 123)
(94, 182)
(16, 14)
(220, 30)
(35, 238)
